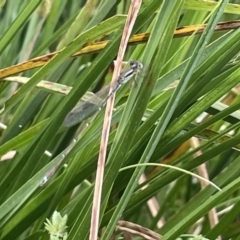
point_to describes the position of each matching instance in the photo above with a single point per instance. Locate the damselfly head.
(135, 65)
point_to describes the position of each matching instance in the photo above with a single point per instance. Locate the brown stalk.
(202, 171)
(138, 230)
(132, 15)
(152, 203)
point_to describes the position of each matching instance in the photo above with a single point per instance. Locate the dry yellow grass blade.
(96, 47)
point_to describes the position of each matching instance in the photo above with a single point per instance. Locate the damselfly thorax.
(134, 68)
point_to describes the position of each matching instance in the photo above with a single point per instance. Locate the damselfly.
(90, 104)
(93, 103)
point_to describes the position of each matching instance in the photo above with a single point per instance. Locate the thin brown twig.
(138, 230)
(132, 15)
(202, 171)
(152, 202)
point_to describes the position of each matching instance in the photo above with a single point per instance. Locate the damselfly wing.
(92, 103)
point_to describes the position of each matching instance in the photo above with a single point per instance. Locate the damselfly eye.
(135, 65)
(132, 64)
(140, 65)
